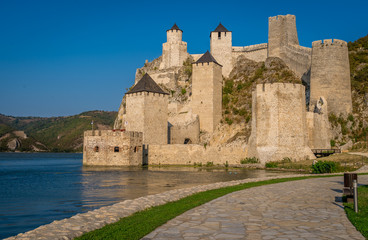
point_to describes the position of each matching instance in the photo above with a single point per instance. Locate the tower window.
(116, 149)
(219, 35)
(96, 149)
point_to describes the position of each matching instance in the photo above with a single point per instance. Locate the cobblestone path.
(305, 209)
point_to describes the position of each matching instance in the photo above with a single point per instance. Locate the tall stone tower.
(221, 48)
(207, 92)
(281, 32)
(174, 51)
(330, 75)
(279, 126)
(146, 111)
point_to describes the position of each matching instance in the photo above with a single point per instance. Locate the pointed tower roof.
(146, 84)
(220, 28)
(207, 57)
(175, 27)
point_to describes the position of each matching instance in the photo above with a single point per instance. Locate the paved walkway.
(306, 209)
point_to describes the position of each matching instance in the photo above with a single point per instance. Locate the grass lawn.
(142, 223)
(360, 219)
(347, 162)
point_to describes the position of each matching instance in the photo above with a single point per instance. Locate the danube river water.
(38, 188)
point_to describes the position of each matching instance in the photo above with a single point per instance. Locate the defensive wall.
(112, 148)
(257, 52)
(319, 129)
(189, 154)
(185, 132)
(330, 75)
(279, 123)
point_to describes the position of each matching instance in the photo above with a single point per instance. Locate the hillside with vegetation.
(55, 134)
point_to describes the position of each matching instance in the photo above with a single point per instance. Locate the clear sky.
(63, 57)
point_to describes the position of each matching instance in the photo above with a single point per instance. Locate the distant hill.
(54, 134)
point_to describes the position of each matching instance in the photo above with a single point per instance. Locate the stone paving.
(305, 209)
(219, 221)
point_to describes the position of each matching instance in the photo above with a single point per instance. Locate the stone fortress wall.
(112, 148)
(283, 42)
(319, 129)
(279, 123)
(330, 75)
(257, 52)
(146, 112)
(188, 154)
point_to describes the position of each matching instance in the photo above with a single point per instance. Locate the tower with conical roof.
(221, 48)
(207, 91)
(174, 51)
(146, 111)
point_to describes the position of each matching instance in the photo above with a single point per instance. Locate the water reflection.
(107, 185)
(36, 189)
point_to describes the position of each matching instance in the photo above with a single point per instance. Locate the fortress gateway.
(154, 127)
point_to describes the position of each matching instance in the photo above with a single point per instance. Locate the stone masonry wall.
(174, 51)
(181, 132)
(189, 154)
(281, 32)
(283, 43)
(330, 75)
(221, 50)
(147, 113)
(207, 94)
(99, 148)
(256, 52)
(279, 123)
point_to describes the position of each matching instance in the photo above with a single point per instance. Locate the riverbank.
(86, 222)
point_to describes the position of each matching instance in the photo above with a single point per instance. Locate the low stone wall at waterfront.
(79, 224)
(180, 154)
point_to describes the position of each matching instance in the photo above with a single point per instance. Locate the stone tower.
(174, 51)
(221, 48)
(330, 76)
(146, 111)
(281, 32)
(207, 92)
(279, 127)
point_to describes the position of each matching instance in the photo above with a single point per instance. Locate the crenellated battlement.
(281, 17)
(329, 42)
(139, 94)
(113, 133)
(283, 87)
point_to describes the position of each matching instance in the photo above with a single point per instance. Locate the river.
(38, 188)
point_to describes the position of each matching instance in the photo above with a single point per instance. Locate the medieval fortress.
(287, 120)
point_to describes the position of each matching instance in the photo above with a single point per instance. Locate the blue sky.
(60, 58)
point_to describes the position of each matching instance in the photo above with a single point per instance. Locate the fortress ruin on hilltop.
(287, 121)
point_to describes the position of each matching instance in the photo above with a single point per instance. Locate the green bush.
(183, 91)
(228, 88)
(229, 121)
(225, 100)
(209, 164)
(271, 165)
(333, 143)
(325, 167)
(249, 160)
